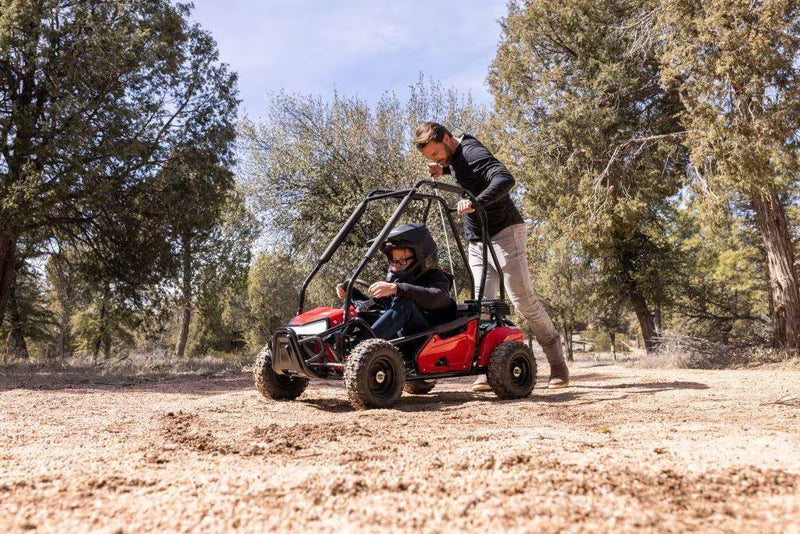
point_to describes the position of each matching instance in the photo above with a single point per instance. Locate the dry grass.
(678, 351)
(131, 368)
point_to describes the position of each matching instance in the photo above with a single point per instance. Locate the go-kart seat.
(465, 312)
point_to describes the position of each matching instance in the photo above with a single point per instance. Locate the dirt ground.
(623, 449)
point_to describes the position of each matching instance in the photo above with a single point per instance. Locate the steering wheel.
(370, 304)
(361, 282)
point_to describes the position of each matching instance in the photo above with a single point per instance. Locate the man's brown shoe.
(559, 376)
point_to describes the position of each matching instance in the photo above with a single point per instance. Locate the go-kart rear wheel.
(274, 386)
(512, 370)
(419, 387)
(374, 375)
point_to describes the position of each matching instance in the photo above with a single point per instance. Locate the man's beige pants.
(509, 246)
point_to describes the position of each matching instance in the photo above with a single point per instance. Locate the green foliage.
(63, 280)
(601, 341)
(95, 97)
(314, 161)
(723, 294)
(29, 318)
(102, 326)
(273, 287)
(31, 303)
(221, 305)
(214, 256)
(573, 82)
(562, 280)
(655, 134)
(735, 68)
(735, 65)
(655, 144)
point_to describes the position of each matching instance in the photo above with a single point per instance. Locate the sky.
(360, 48)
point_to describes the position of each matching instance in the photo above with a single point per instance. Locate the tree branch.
(639, 142)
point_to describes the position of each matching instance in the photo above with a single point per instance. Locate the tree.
(207, 224)
(29, 318)
(98, 301)
(735, 68)
(607, 314)
(562, 280)
(94, 97)
(723, 292)
(215, 263)
(574, 83)
(313, 162)
(104, 323)
(63, 277)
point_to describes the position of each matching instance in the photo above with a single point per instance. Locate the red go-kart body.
(441, 353)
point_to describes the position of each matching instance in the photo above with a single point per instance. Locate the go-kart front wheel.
(272, 385)
(512, 370)
(374, 375)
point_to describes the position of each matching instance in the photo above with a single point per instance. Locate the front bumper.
(289, 354)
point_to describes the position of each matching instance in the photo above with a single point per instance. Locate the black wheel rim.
(520, 371)
(382, 377)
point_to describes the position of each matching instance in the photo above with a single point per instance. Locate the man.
(416, 291)
(475, 168)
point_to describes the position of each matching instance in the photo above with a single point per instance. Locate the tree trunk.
(20, 347)
(186, 317)
(647, 321)
(780, 262)
(107, 347)
(101, 335)
(568, 331)
(66, 297)
(64, 334)
(657, 317)
(7, 348)
(17, 333)
(613, 337)
(96, 350)
(8, 259)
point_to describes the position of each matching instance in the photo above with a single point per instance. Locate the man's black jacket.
(475, 169)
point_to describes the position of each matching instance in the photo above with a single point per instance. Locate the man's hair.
(429, 132)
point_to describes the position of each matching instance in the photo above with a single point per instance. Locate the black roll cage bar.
(406, 196)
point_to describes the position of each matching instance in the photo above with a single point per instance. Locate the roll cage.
(406, 196)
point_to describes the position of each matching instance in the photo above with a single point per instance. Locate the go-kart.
(338, 342)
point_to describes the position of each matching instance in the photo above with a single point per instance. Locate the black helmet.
(416, 237)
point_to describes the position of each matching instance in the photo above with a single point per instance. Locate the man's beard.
(448, 155)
